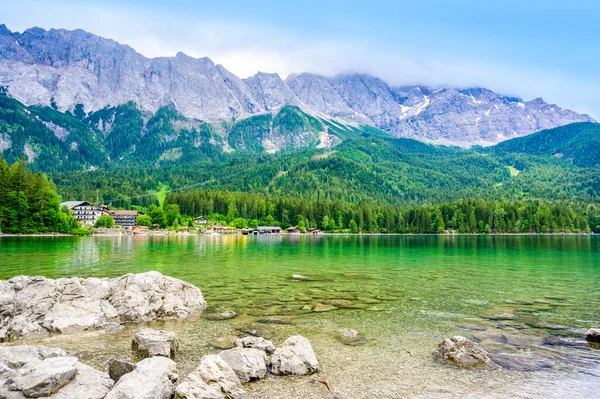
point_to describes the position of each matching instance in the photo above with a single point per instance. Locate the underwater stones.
(301, 277)
(225, 315)
(593, 335)
(248, 363)
(294, 357)
(319, 307)
(33, 307)
(148, 343)
(118, 368)
(152, 378)
(258, 330)
(350, 337)
(226, 342)
(256, 343)
(462, 352)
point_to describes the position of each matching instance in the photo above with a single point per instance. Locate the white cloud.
(245, 49)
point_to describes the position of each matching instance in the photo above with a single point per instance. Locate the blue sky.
(528, 48)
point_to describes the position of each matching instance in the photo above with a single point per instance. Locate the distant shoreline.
(166, 234)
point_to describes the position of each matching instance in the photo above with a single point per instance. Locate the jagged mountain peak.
(66, 68)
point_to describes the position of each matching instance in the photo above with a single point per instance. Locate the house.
(223, 229)
(201, 220)
(85, 212)
(140, 230)
(266, 230)
(293, 230)
(125, 218)
(312, 230)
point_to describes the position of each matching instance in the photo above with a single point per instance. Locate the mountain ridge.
(66, 68)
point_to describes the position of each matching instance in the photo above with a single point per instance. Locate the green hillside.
(578, 142)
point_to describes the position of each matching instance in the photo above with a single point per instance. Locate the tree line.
(29, 203)
(243, 209)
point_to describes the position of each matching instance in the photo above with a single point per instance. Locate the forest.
(464, 216)
(29, 203)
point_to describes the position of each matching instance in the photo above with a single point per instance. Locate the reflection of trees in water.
(85, 255)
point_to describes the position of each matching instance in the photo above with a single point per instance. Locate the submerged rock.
(226, 315)
(37, 371)
(36, 306)
(118, 368)
(152, 379)
(348, 336)
(248, 364)
(593, 335)
(462, 352)
(213, 379)
(226, 342)
(294, 357)
(148, 343)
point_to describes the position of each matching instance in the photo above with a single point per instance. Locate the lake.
(527, 299)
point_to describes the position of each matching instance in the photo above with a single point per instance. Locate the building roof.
(73, 204)
(124, 213)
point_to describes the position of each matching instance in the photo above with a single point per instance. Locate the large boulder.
(152, 378)
(294, 357)
(593, 335)
(148, 343)
(36, 371)
(462, 352)
(247, 363)
(213, 379)
(33, 307)
(256, 343)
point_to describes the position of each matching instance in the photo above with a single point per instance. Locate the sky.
(525, 48)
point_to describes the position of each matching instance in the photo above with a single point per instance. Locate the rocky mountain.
(71, 69)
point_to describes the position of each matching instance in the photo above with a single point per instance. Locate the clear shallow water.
(527, 299)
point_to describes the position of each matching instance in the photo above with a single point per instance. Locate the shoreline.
(168, 233)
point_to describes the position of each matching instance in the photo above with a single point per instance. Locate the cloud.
(246, 48)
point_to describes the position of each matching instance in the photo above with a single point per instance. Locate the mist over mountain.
(70, 69)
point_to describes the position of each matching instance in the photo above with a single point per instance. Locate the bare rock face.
(294, 357)
(593, 335)
(148, 343)
(35, 371)
(213, 379)
(152, 379)
(462, 352)
(247, 363)
(36, 306)
(256, 343)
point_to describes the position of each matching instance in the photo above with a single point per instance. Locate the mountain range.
(98, 79)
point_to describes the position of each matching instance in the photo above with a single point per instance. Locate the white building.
(85, 212)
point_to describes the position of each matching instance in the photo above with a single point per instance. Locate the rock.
(226, 342)
(213, 379)
(36, 371)
(256, 343)
(294, 357)
(248, 364)
(301, 277)
(348, 336)
(118, 368)
(46, 377)
(319, 307)
(148, 343)
(152, 379)
(460, 351)
(226, 315)
(258, 330)
(593, 335)
(32, 307)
